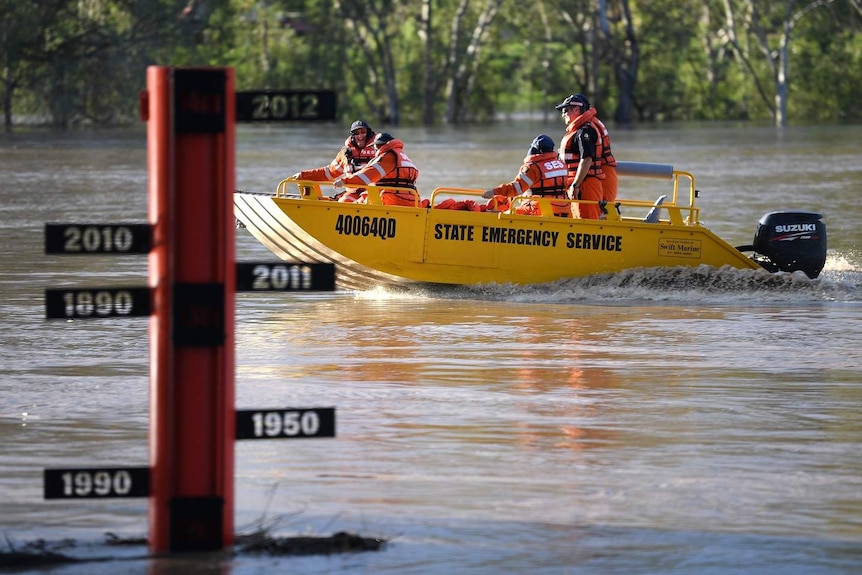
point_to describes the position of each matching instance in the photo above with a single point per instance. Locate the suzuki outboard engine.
(790, 241)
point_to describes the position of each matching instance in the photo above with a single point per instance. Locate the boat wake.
(840, 281)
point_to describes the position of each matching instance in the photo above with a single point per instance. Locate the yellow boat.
(373, 244)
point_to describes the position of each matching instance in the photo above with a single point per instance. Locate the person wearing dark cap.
(355, 154)
(581, 151)
(389, 167)
(543, 174)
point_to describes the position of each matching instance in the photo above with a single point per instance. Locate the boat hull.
(373, 243)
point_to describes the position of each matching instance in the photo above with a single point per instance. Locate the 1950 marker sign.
(285, 423)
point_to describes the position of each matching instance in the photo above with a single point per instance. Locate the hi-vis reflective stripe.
(556, 173)
(569, 157)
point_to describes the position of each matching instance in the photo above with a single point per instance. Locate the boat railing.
(307, 189)
(677, 209)
(676, 214)
(311, 190)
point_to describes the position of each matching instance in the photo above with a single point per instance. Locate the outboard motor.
(790, 241)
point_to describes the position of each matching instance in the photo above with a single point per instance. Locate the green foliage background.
(71, 62)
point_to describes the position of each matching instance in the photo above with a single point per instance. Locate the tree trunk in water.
(453, 62)
(626, 60)
(429, 87)
(464, 75)
(374, 37)
(8, 94)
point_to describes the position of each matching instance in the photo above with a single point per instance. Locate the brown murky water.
(705, 422)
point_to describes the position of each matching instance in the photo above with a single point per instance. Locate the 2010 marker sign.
(108, 239)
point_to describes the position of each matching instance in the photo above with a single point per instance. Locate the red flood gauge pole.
(190, 114)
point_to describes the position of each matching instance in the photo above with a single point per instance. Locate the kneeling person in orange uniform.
(543, 174)
(389, 167)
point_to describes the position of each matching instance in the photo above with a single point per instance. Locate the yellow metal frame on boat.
(677, 214)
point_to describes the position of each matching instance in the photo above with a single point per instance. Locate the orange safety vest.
(405, 173)
(356, 157)
(542, 174)
(350, 159)
(607, 157)
(569, 152)
(552, 175)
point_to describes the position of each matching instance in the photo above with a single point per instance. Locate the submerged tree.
(770, 27)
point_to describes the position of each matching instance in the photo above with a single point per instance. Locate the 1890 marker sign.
(97, 303)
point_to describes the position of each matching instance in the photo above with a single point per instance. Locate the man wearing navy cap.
(580, 150)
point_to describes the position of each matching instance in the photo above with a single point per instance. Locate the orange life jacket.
(350, 159)
(356, 157)
(607, 158)
(405, 173)
(543, 175)
(552, 175)
(569, 152)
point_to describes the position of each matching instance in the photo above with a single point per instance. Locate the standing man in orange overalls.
(581, 150)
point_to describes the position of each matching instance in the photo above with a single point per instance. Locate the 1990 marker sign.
(97, 483)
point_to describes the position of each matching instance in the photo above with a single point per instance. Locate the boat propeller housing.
(790, 241)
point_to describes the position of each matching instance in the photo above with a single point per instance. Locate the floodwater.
(662, 421)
